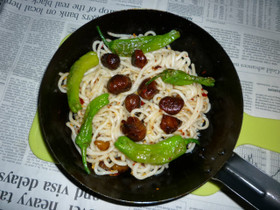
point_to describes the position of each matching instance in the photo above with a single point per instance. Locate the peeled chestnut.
(119, 84)
(120, 169)
(138, 59)
(110, 61)
(102, 145)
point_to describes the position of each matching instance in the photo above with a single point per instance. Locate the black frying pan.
(188, 172)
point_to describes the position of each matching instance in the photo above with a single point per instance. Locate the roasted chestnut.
(171, 105)
(170, 124)
(119, 84)
(132, 101)
(110, 61)
(147, 91)
(138, 59)
(133, 128)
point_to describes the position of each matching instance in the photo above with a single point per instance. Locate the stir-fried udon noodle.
(106, 123)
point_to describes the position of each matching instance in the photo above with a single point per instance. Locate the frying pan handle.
(249, 183)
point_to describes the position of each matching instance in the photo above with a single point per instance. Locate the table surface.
(29, 178)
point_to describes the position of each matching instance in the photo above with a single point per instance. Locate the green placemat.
(264, 133)
(260, 132)
(36, 142)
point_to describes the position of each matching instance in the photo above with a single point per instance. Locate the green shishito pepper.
(178, 77)
(156, 154)
(125, 47)
(83, 138)
(77, 70)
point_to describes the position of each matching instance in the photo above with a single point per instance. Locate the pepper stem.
(191, 140)
(154, 78)
(102, 37)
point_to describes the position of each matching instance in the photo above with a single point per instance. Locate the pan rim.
(45, 133)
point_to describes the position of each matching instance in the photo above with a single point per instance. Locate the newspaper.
(30, 32)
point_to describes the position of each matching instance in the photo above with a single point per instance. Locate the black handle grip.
(255, 187)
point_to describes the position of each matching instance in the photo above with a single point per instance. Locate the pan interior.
(184, 174)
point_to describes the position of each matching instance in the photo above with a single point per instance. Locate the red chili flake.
(142, 103)
(204, 94)
(156, 67)
(203, 72)
(182, 132)
(144, 91)
(82, 101)
(170, 158)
